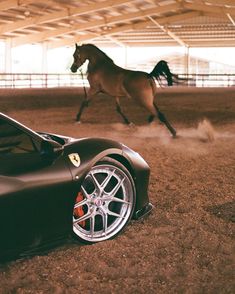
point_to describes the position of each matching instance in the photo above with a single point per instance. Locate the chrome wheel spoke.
(82, 218)
(107, 179)
(81, 203)
(115, 199)
(116, 188)
(105, 222)
(84, 192)
(96, 183)
(115, 214)
(92, 225)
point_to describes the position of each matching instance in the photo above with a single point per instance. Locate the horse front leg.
(85, 102)
(119, 110)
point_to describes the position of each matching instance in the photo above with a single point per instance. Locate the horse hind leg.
(154, 110)
(151, 118)
(163, 119)
(119, 110)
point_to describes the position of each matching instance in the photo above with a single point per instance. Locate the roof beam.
(115, 41)
(221, 2)
(8, 4)
(231, 19)
(169, 33)
(210, 8)
(30, 21)
(40, 37)
(212, 43)
(123, 28)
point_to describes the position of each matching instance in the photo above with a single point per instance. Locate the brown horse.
(106, 77)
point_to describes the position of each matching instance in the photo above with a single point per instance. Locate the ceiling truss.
(189, 23)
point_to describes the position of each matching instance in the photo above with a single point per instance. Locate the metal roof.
(191, 23)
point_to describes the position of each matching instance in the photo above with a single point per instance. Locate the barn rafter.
(148, 22)
(92, 24)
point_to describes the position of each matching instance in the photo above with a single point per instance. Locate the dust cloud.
(204, 131)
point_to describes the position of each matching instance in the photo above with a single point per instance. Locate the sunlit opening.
(36, 59)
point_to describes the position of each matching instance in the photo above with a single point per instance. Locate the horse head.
(79, 58)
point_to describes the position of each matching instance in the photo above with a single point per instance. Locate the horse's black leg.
(84, 104)
(163, 119)
(119, 110)
(151, 118)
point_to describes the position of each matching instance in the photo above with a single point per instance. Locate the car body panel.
(38, 190)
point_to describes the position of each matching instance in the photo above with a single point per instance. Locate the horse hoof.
(131, 125)
(151, 119)
(78, 122)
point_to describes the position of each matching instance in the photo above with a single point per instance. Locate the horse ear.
(76, 45)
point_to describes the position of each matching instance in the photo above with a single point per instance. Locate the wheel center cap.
(98, 202)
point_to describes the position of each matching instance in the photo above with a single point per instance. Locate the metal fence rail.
(208, 80)
(44, 80)
(32, 80)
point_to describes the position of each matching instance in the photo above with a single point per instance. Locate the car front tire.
(106, 202)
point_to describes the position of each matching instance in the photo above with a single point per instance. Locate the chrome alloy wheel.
(105, 203)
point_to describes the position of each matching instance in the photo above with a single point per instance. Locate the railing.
(31, 80)
(207, 80)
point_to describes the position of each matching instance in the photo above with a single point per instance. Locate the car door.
(34, 187)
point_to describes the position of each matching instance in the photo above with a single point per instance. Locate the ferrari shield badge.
(75, 159)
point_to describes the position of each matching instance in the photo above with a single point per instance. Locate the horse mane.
(101, 54)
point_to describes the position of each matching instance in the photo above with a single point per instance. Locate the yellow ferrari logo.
(75, 159)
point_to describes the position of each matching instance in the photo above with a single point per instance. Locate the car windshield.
(14, 140)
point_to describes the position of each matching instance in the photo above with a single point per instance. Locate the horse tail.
(162, 69)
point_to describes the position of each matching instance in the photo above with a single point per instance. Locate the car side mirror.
(50, 149)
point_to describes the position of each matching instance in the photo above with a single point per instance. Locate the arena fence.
(33, 80)
(207, 80)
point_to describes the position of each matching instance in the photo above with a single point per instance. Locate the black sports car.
(53, 186)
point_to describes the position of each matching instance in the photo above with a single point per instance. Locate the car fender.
(92, 150)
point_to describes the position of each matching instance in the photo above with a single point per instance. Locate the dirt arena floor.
(187, 244)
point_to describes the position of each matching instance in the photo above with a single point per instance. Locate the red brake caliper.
(79, 212)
